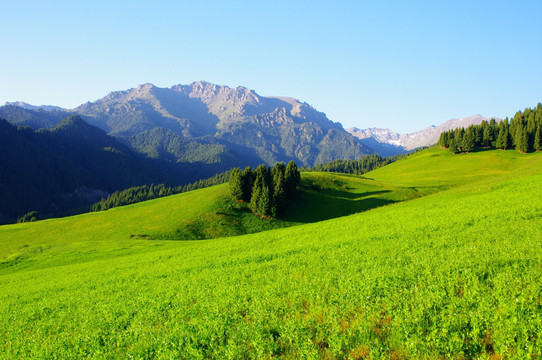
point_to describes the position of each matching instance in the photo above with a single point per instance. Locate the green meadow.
(434, 256)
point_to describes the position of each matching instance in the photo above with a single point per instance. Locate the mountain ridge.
(255, 129)
(234, 121)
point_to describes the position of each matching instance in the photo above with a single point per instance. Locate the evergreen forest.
(137, 194)
(356, 167)
(523, 132)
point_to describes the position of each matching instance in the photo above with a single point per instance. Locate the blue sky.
(403, 65)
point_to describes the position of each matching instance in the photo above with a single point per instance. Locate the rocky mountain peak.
(145, 88)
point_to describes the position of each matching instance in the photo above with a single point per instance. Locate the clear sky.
(403, 65)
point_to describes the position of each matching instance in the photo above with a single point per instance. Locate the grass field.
(456, 274)
(200, 214)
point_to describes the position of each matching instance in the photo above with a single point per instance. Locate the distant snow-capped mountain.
(387, 142)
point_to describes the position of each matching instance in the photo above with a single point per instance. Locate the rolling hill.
(201, 214)
(454, 274)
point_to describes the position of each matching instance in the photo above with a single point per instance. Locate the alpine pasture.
(434, 256)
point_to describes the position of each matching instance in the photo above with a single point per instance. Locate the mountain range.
(57, 159)
(171, 135)
(230, 126)
(212, 124)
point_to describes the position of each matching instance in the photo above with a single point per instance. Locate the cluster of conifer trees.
(266, 189)
(357, 167)
(523, 132)
(142, 193)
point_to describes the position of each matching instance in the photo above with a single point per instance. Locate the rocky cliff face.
(387, 142)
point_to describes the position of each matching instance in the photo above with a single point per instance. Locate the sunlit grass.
(457, 274)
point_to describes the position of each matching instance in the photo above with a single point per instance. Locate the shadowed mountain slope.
(71, 165)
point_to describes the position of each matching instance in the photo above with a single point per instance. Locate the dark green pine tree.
(469, 140)
(487, 135)
(236, 184)
(493, 128)
(451, 144)
(292, 178)
(443, 139)
(522, 139)
(455, 145)
(260, 202)
(279, 168)
(531, 124)
(500, 143)
(537, 146)
(507, 139)
(247, 182)
(265, 202)
(262, 175)
(478, 136)
(279, 194)
(279, 188)
(255, 199)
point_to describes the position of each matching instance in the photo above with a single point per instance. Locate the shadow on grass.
(310, 206)
(339, 193)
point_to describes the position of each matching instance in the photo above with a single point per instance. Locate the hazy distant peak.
(28, 106)
(388, 142)
(462, 122)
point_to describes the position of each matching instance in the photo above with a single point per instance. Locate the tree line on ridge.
(137, 194)
(523, 132)
(356, 167)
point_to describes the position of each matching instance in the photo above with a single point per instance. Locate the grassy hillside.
(201, 214)
(456, 274)
(435, 167)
